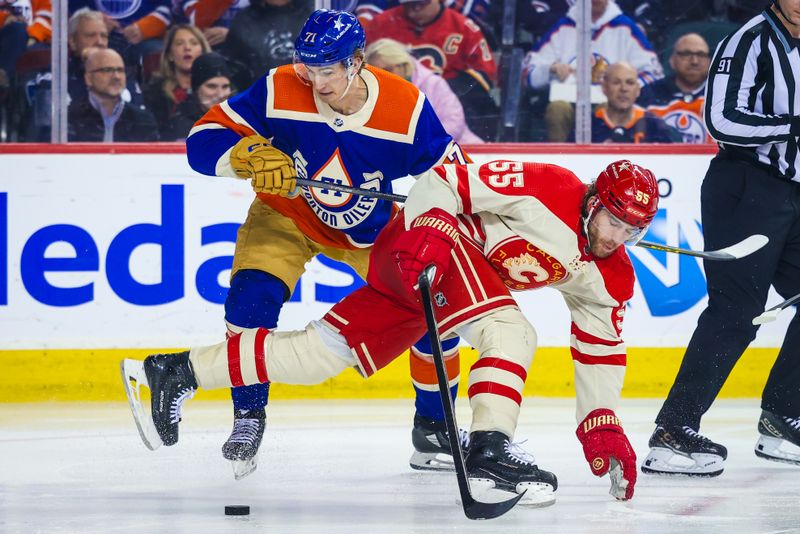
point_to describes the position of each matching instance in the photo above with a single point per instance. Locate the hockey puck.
(237, 509)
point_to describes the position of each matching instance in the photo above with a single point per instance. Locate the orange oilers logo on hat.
(522, 265)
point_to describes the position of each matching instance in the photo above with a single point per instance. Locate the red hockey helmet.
(629, 192)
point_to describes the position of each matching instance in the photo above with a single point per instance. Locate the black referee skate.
(680, 450)
(780, 438)
(171, 381)
(242, 445)
(494, 462)
(432, 446)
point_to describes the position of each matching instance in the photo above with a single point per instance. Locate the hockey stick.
(772, 313)
(472, 509)
(352, 190)
(733, 252)
(739, 250)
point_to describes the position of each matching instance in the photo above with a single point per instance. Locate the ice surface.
(341, 466)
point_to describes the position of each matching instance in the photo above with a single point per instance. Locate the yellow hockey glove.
(269, 170)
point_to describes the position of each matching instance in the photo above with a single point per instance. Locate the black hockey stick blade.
(734, 252)
(772, 313)
(473, 509)
(352, 190)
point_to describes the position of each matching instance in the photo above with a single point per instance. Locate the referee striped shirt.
(753, 95)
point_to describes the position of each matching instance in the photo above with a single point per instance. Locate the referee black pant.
(739, 199)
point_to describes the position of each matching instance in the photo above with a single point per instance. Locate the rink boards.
(102, 252)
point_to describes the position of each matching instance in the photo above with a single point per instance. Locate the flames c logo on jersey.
(522, 265)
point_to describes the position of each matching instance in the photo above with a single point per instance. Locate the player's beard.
(600, 248)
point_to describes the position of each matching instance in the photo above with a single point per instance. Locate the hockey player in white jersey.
(488, 229)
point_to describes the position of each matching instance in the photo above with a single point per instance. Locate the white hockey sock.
(257, 355)
(506, 342)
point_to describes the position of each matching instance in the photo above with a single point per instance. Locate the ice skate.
(431, 445)
(242, 445)
(780, 438)
(494, 463)
(171, 381)
(682, 451)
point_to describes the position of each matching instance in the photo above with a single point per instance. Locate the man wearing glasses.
(103, 115)
(679, 98)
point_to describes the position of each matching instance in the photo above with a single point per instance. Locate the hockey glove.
(608, 450)
(269, 170)
(429, 241)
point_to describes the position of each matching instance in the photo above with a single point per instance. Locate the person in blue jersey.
(328, 117)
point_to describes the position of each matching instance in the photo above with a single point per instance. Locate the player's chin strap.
(593, 205)
(351, 75)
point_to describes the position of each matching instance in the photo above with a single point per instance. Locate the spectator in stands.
(449, 44)
(389, 55)
(615, 38)
(679, 98)
(22, 25)
(171, 86)
(86, 30)
(213, 17)
(211, 84)
(103, 116)
(620, 120)
(135, 28)
(262, 36)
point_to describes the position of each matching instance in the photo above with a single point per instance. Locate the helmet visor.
(613, 227)
(328, 72)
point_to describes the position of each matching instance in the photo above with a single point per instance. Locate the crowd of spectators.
(145, 70)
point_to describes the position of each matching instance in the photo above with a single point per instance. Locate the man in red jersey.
(488, 229)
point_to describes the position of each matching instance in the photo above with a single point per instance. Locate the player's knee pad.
(254, 300)
(504, 333)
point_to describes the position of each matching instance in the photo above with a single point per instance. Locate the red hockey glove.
(429, 241)
(606, 448)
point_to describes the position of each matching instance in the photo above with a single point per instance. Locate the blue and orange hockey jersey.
(394, 135)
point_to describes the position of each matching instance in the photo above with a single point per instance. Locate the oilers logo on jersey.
(688, 124)
(335, 208)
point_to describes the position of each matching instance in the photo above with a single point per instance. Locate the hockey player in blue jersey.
(327, 117)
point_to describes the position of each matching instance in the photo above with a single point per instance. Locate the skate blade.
(536, 495)
(243, 468)
(663, 461)
(777, 450)
(133, 378)
(431, 461)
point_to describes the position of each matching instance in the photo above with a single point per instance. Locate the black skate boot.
(680, 450)
(780, 438)
(171, 381)
(245, 439)
(431, 445)
(494, 462)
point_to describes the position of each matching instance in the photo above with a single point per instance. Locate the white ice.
(341, 466)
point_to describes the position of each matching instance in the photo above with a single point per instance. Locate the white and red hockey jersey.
(527, 219)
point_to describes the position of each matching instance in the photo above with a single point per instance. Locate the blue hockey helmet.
(329, 37)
